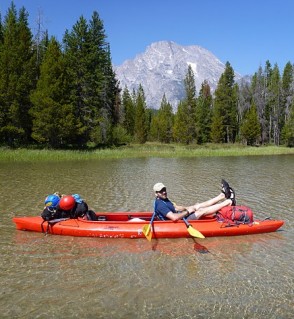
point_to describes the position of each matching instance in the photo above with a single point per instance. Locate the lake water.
(66, 277)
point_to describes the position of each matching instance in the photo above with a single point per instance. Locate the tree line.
(66, 95)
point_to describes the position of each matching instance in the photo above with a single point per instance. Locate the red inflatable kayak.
(130, 225)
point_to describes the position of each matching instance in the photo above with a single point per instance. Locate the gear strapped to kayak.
(235, 214)
(66, 206)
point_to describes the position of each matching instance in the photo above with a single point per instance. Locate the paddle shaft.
(186, 222)
(152, 218)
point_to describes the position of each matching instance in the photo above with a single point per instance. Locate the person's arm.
(179, 208)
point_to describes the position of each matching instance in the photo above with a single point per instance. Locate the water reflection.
(28, 243)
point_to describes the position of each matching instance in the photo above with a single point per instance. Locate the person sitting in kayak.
(165, 209)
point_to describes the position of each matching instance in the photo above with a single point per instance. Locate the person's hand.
(191, 209)
(196, 206)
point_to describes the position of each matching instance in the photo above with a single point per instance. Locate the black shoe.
(226, 189)
(233, 196)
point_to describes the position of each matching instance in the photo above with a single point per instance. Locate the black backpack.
(48, 214)
(91, 215)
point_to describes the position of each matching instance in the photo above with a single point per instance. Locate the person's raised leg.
(208, 210)
(207, 203)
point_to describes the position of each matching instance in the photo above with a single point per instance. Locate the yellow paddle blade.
(147, 231)
(194, 232)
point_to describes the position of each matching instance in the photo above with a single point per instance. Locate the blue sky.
(246, 33)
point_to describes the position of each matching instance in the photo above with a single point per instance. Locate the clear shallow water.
(65, 277)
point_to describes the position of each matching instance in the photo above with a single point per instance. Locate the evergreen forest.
(66, 95)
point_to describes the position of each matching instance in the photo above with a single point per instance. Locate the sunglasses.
(162, 191)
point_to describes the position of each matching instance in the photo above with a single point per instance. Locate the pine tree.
(154, 127)
(80, 85)
(149, 116)
(224, 122)
(53, 117)
(287, 132)
(259, 96)
(17, 78)
(204, 114)
(165, 121)
(107, 86)
(114, 91)
(217, 132)
(40, 41)
(41, 50)
(141, 117)
(190, 101)
(268, 107)
(288, 129)
(287, 93)
(1, 31)
(94, 89)
(128, 112)
(181, 124)
(244, 98)
(250, 127)
(275, 108)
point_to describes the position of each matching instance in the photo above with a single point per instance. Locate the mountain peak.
(162, 68)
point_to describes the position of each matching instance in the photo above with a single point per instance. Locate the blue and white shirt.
(163, 207)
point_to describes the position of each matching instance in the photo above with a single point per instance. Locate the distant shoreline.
(142, 151)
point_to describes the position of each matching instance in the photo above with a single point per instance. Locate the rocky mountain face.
(162, 68)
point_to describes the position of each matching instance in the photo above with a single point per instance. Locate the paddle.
(192, 231)
(147, 228)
